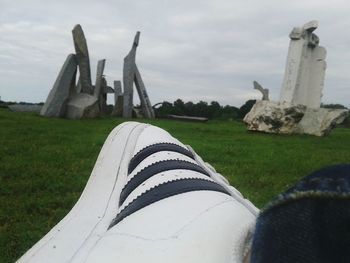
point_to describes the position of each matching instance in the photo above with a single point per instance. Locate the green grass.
(45, 163)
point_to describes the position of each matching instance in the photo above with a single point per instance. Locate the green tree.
(179, 107)
(164, 110)
(245, 108)
(333, 106)
(230, 112)
(215, 110)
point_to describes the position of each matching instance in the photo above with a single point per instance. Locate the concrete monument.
(99, 74)
(305, 68)
(264, 92)
(100, 86)
(82, 54)
(298, 110)
(118, 99)
(80, 101)
(83, 100)
(55, 105)
(146, 105)
(84, 105)
(105, 109)
(132, 75)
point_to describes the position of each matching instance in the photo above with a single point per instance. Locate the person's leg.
(157, 201)
(308, 223)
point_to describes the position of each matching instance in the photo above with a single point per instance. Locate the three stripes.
(163, 190)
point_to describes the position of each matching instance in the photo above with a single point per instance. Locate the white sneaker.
(150, 199)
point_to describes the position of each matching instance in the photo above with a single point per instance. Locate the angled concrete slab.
(63, 87)
(132, 75)
(145, 102)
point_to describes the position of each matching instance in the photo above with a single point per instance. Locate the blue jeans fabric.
(308, 223)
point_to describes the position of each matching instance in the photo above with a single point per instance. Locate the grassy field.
(45, 163)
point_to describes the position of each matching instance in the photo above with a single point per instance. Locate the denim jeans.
(309, 222)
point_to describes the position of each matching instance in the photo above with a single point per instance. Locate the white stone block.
(305, 68)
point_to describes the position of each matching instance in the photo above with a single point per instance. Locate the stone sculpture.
(298, 110)
(265, 92)
(305, 68)
(70, 101)
(146, 105)
(86, 103)
(55, 105)
(118, 99)
(83, 59)
(99, 75)
(132, 75)
(100, 86)
(84, 100)
(105, 109)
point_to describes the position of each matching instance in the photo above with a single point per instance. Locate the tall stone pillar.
(82, 54)
(128, 78)
(103, 97)
(99, 75)
(132, 75)
(118, 99)
(305, 68)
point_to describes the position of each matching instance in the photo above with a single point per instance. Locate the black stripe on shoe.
(166, 190)
(154, 148)
(154, 169)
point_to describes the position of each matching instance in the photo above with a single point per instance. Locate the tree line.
(212, 110)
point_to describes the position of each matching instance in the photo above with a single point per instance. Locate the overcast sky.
(193, 50)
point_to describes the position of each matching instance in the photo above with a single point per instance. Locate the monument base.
(82, 105)
(283, 118)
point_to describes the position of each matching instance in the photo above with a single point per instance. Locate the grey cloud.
(195, 50)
